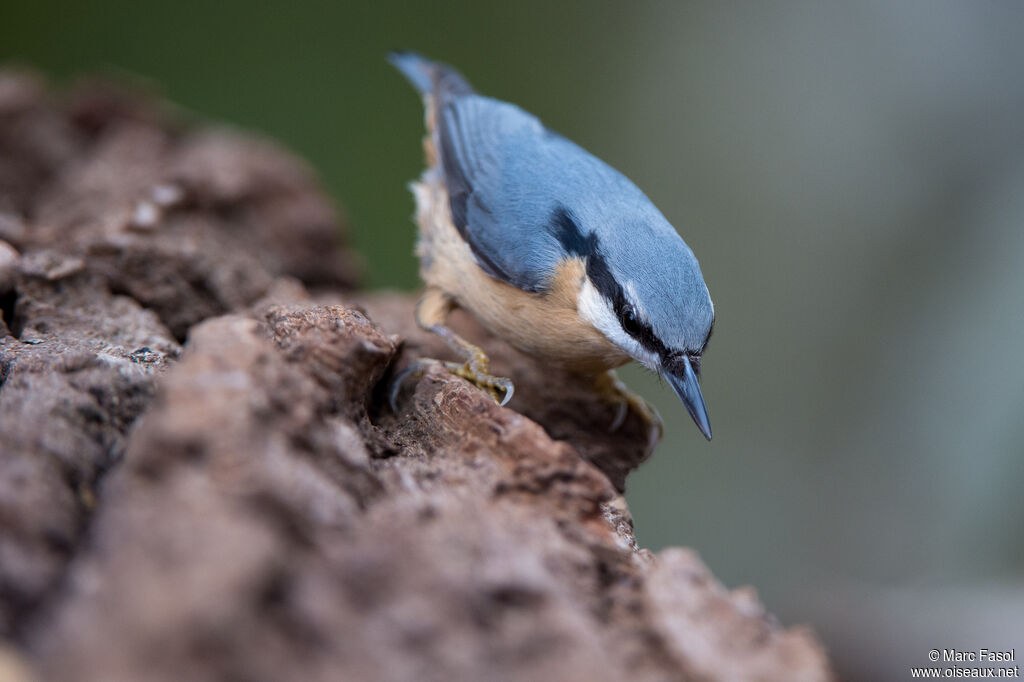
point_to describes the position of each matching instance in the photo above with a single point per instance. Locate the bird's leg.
(610, 388)
(431, 313)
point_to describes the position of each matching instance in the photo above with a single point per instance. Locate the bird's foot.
(431, 311)
(416, 370)
(475, 370)
(612, 390)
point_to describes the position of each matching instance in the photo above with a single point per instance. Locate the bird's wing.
(507, 178)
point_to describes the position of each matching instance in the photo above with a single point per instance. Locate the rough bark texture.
(199, 479)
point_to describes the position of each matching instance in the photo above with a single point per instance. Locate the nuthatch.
(550, 248)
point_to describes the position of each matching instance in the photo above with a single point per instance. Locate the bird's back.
(526, 199)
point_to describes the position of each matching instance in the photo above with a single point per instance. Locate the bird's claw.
(417, 368)
(474, 370)
(620, 416)
(612, 390)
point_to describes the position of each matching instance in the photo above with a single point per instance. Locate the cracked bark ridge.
(563, 403)
(244, 507)
(118, 230)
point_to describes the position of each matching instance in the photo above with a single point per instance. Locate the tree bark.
(201, 480)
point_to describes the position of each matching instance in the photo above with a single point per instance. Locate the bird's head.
(648, 297)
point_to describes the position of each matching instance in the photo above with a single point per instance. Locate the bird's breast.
(546, 325)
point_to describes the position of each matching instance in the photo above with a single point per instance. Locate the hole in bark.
(516, 597)
(8, 305)
(274, 592)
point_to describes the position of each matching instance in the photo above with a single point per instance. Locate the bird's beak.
(687, 388)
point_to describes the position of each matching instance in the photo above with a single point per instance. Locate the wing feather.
(500, 189)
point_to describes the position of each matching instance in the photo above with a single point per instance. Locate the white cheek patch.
(595, 309)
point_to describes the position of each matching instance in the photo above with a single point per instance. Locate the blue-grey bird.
(550, 248)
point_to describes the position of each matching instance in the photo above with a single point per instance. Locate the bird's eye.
(629, 321)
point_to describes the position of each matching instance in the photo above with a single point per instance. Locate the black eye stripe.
(630, 322)
(607, 286)
(605, 283)
(639, 330)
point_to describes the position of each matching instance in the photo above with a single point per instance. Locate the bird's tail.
(430, 77)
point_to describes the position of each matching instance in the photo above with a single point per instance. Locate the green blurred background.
(851, 177)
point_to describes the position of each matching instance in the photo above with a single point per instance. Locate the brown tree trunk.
(200, 479)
